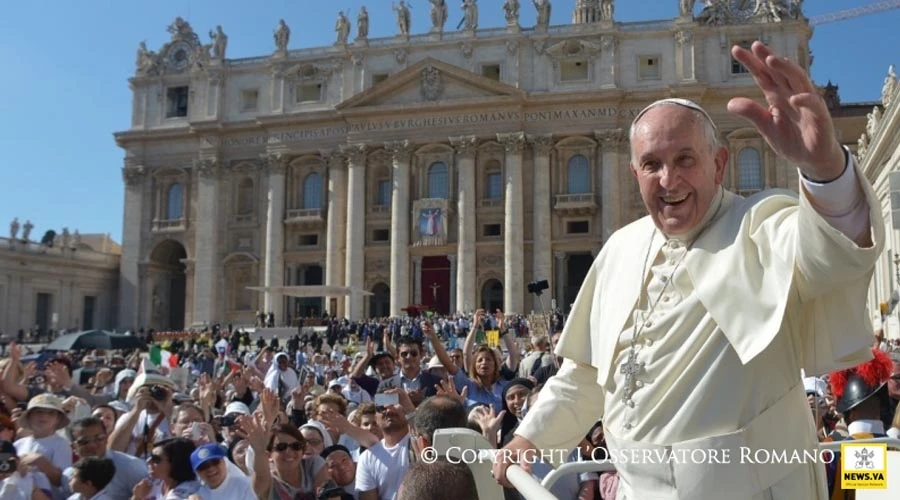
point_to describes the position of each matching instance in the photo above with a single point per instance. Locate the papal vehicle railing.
(465, 444)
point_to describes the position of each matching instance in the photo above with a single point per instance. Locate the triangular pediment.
(431, 82)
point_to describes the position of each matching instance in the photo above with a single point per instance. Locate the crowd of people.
(341, 416)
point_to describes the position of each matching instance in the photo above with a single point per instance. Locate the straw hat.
(46, 401)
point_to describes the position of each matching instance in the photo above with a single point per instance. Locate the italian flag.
(162, 357)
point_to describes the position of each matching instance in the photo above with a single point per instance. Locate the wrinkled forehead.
(675, 102)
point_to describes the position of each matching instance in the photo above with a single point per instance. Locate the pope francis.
(692, 325)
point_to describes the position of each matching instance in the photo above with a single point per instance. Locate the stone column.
(336, 231)
(276, 163)
(401, 151)
(129, 277)
(354, 267)
(464, 278)
(560, 279)
(541, 218)
(206, 265)
(612, 143)
(684, 55)
(452, 259)
(417, 279)
(514, 238)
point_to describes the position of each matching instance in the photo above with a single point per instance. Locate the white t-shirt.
(19, 486)
(382, 468)
(144, 420)
(235, 487)
(54, 447)
(180, 492)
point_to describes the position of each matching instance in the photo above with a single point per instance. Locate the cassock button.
(639, 384)
(628, 427)
(649, 343)
(664, 278)
(648, 324)
(666, 298)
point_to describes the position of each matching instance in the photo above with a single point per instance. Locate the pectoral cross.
(630, 369)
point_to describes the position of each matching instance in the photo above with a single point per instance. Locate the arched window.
(438, 180)
(750, 174)
(174, 202)
(312, 191)
(245, 197)
(578, 175)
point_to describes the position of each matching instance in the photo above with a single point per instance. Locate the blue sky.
(65, 66)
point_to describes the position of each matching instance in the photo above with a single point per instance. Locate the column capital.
(400, 150)
(683, 36)
(542, 144)
(133, 176)
(206, 167)
(275, 163)
(355, 153)
(513, 142)
(612, 137)
(452, 258)
(559, 255)
(417, 260)
(332, 158)
(464, 146)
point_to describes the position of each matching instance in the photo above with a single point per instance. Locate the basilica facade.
(443, 168)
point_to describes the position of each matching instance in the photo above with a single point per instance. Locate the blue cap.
(206, 453)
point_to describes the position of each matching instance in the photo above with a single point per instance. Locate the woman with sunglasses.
(292, 477)
(171, 474)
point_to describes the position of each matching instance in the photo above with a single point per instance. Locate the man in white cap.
(693, 322)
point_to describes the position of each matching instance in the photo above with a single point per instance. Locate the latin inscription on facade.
(440, 121)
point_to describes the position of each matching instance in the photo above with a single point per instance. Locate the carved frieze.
(574, 49)
(491, 261)
(432, 83)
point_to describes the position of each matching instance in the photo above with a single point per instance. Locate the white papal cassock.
(767, 288)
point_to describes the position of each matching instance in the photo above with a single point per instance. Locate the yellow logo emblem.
(863, 466)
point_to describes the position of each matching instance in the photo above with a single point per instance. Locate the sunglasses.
(409, 354)
(155, 459)
(296, 446)
(209, 464)
(86, 441)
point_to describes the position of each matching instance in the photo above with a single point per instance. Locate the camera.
(159, 392)
(228, 420)
(330, 490)
(8, 466)
(536, 287)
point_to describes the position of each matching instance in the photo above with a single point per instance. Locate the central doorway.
(435, 291)
(169, 288)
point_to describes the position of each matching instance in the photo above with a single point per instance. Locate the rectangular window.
(578, 227)
(177, 102)
(491, 230)
(494, 186)
(379, 77)
(309, 240)
(573, 71)
(383, 195)
(381, 235)
(648, 68)
(309, 93)
(88, 312)
(249, 100)
(736, 67)
(491, 71)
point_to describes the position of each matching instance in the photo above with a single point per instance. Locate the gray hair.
(710, 132)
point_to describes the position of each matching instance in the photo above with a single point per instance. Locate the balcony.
(380, 211)
(492, 203)
(576, 204)
(305, 217)
(168, 225)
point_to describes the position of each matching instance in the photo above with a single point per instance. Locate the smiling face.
(341, 468)
(43, 422)
(678, 171)
(158, 464)
(213, 472)
(515, 399)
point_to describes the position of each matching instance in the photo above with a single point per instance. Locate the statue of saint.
(511, 9)
(438, 14)
(606, 10)
(890, 85)
(14, 228)
(470, 11)
(543, 8)
(146, 60)
(65, 238)
(76, 240)
(282, 36)
(26, 230)
(687, 8)
(362, 24)
(342, 27)
(220, 42)
(403, 17)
